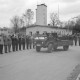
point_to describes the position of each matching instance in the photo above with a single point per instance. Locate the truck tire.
(65, 48)
(38, 48)
(50, 48)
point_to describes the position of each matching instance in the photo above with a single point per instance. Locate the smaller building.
(6, 31)
(49, 29)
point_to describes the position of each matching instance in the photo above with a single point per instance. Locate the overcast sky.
(9, 8)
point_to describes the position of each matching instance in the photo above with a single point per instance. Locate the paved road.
(30, 65)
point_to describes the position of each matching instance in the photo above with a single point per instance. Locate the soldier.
(33, 36)
(5, 43)
(16, 42)
(75, 39)
(13, 43)
(1, 44)
(27, 42)
(79, 40)
(9, 43)
(30, 42)
(33, 41)
(23, 42)
(20, 40)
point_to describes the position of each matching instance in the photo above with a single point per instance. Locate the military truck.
(52, 42)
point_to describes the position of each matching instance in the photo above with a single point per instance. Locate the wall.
(42, 29)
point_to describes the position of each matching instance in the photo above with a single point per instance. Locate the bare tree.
(54, 19)
(21, 22)
(28, 17)
(78, 21)
(77, 25)
(15, 23)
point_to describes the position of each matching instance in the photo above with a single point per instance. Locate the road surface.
(30, 65)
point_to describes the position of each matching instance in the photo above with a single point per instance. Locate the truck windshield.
(40, 37)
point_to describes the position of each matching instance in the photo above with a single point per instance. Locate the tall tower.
(41, 14)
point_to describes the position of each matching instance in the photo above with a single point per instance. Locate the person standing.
(30, 42)
(75, 39)
(27, 42)
(5, 38)
(16, 42)
(1, 44)
(9, 43)
(13, 43)
(23, 42)
(20, 40)
(79, 40)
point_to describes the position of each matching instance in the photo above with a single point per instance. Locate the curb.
(75, 75)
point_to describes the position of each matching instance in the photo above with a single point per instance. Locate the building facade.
(49, 29)
(41, 23)
(41, 14)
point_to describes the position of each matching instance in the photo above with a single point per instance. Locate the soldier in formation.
(5, 43)
(9, 43)
(13, 43)
(19, 41)
(1, 44)
(16, 42)
(27, 42)
(23, 42)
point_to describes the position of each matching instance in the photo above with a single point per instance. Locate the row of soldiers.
(17, 42)
(76, 39)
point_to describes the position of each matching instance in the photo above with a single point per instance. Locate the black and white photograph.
(39, 39)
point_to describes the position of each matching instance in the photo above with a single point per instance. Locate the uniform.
(30, 42)
(75, 39)
(19, 40)
(1, 44)
(32, 37)
(13, 43)
(16, 43)
(23, 42)
(5, 43)
(9, 43)
(27, 42)
(79, 40)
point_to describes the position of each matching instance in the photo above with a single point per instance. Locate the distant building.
(41, 14)
(6, 31)
(49, 29)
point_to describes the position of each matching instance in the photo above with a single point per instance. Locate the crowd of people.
(9, 43)
(12, 43)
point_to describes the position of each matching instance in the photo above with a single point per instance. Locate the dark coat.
(5, 38)
(1, 40)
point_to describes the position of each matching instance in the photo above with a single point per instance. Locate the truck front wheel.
(65, 48)
(50, 48)
(38, 48)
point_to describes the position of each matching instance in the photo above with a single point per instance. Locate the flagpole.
(58, 11)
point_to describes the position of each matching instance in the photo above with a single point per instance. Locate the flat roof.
(55, 27)
(42, 4)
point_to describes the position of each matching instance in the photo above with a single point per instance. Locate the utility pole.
(58, 16)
